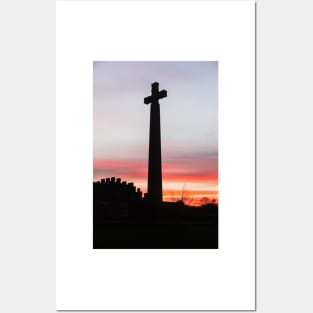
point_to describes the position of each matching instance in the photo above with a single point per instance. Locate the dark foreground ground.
(171, 226)
(127, 235)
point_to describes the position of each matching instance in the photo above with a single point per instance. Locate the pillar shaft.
(155, 159)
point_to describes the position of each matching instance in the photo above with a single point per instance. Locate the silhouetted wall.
(112, 189)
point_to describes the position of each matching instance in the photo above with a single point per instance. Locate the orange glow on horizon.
(195, 182)
(191, 197)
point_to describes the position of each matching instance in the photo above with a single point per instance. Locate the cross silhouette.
(156, 94)
(154, 189)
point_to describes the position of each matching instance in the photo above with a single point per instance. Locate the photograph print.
(155, 155)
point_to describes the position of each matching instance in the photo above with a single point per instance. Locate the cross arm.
(148, 100)
(162, 94)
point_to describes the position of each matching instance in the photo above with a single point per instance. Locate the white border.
(222, 279)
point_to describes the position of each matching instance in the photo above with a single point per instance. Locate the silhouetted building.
(111, 189)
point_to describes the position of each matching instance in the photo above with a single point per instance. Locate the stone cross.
(155, 160)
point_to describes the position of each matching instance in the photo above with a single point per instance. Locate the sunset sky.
(189, 124)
